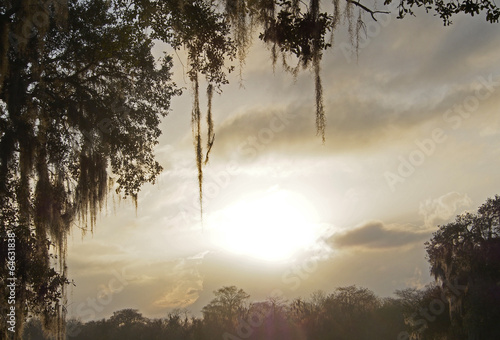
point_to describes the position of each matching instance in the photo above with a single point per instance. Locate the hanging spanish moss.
(360, 26)
(353, 26)
(31, 193)
(302, 37)
(64, 127)
(196, 130)
(242, 24)
(210, 122)
(92, 187)
(268, 18)
(203, 31)
(316, 61)
(335, 19)
(52, 218)
(320, 111)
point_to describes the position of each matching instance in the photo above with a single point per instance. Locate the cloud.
(376, 102)
(440, 210)
(381, 271)
(376, 235)
(471, 42)
(397, 92)
(368, 115)
(184, 284)
(352, 125)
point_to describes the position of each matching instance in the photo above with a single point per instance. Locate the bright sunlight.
(271, 226)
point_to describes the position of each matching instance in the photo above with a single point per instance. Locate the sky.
(412, 140)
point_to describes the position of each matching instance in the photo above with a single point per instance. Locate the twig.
(372, 12)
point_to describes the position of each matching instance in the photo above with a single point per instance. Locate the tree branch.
(372, 12)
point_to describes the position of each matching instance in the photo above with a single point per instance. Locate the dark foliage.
(466, 254)
(81, 97)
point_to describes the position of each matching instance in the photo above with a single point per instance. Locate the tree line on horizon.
(347, 313)
(462, 304)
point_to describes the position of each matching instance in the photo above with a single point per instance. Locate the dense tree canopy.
(81, 98)
(465, 259)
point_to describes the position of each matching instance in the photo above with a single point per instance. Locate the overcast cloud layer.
(412, 139)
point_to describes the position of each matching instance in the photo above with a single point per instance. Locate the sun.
(271, 226)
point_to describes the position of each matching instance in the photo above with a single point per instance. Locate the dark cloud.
(469, 41)
(352, 125)
(381, 271)
(369, 119)
(376, 235)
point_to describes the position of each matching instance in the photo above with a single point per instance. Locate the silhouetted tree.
(337, 315)
(127, 317)
(465, 260)
(128, 324)
(80, 94)
(177, 325)
(270, 320)
(224, 311)
(351, 306)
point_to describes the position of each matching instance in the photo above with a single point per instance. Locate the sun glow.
(272, 226)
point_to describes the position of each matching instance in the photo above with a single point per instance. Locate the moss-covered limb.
(197, 140)
(87, 100)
